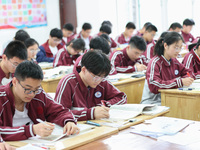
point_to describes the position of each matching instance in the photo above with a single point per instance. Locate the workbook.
(128, 111)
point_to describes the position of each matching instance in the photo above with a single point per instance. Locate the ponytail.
(159, 47)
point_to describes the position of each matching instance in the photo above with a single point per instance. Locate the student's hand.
(71, 128)
(42, 129)
(140, 67)
(101, 112)
(6, 146)
(187, 81)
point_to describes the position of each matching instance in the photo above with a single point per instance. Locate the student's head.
(75, 46)
(86, 30)
(195, 45)
(176, 27)
(27, 81)
(32, 47)
(136, 47)
(95, 66)
(187, 25)
(105, 29)
(21, 35)
(101, 44)
(144, 27)
(169, 46)
(55, 37)
(130, 27)
(106, 22)
(105, 36)
(14, 54)
(68, 30)
(163, 34)
(149, 33)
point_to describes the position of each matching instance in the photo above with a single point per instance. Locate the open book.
(128, 111)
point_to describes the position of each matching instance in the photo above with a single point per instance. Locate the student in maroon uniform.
(49, 49)
(192, 59)
(141, 31)
(187, 27)
(23, 101)
(176, 27)
(14, 54)
(127, 60)
(127, 34)
(85, 92)
(32, 49)
(68, 33)
(164, 71)
(149, 33)
(85, 34)
(67, 56)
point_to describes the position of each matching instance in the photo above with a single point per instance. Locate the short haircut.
(106, 29)
(188, 22)
(56, 33)
(138, 42)
(101, 44)
(175, 25)
(28, 69)
(16, 49)
(78, 44)
(106, 22)
(146, 24)
(68, 26)
(130, 25)
(86, 26)
(151, 28)
(96, 62)
(30, 42)
(105, 36)
(21, 35)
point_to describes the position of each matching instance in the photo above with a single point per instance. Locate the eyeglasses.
(96, 78)
(34, 50)
(177, 48)
(13, 64)
(56, 40)
(28, 91)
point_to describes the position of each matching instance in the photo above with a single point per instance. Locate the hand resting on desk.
(101, 112)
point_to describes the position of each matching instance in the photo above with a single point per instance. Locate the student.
(24, 101)
(192, 59)
(105, 36)
(149, 33)
(68, 33)
(187, 27)
(83, 92)
(14, 54)
(85, 34)
(49, 49)
(107, 22)
(32, 49)
(127, 60)
(141, 31)
(164, 71)
(67, 56)
(127, 34)
(176, 27)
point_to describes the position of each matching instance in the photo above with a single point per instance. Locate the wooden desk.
(50, 85)
(183, 104)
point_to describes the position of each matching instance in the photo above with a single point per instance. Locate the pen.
(130, 120)
(185, 89)
(93, 123)
(103, 103)
(188, 74)
(39, 120)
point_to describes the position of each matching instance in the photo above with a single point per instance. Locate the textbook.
(128, 111)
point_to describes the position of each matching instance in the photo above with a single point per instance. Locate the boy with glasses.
(14, 54)
(85, 92)
(49, 49)
(23, 102)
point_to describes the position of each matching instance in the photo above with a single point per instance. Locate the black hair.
(56, 33)
(16, 49)
(175, 25)
(130, 25)
(106, 29)
(163, 34)
(188, 22)
(106, 22)
(30, 42)
(101, 44)
(170, 38)
(96, 62)
(28, 69)
(86, 26)
(21, 35)
(146, 24)
(68, 26)
(151, 28)
(196, 45)
(105, 36)
(138, 42)
(78, 44)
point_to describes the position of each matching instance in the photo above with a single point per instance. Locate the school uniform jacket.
(120, 39)
(113, 43)
(41, 106)
(68, 39)
(73, 94)
(187, 37)
(63, 58)
(2, 75)
(192, 61)
(45, 54)
(78, 36)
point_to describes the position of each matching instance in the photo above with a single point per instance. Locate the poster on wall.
(19, 14)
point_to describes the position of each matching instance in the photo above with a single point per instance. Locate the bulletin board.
(20, 14)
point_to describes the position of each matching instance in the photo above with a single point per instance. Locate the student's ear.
(165, 46)
(70, 44)
(83, 69)
(4, 57)
(14, 81)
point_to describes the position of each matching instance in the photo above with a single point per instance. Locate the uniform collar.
(125, 54)
(82, 85)
(166, 62)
